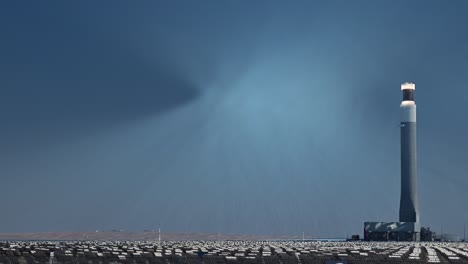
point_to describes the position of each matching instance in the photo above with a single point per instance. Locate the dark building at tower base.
(392, 231)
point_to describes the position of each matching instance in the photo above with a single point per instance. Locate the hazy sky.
(263, 117)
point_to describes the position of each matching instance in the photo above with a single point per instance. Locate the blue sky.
(263, 117)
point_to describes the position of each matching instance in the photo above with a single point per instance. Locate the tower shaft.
(409, 211)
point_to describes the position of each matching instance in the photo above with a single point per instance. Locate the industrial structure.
(408, 228)
(409, 211)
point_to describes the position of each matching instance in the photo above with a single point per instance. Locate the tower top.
(408, 86)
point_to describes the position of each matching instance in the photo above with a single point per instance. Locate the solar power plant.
(205, 252)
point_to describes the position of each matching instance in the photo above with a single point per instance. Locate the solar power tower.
(409, 211)
(408, 228)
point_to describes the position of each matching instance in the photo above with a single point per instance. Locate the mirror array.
(206, 252)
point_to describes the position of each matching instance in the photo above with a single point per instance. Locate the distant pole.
(159, 234)
(440, 233)
(302, 237)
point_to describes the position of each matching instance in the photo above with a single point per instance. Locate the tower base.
(392, 231)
